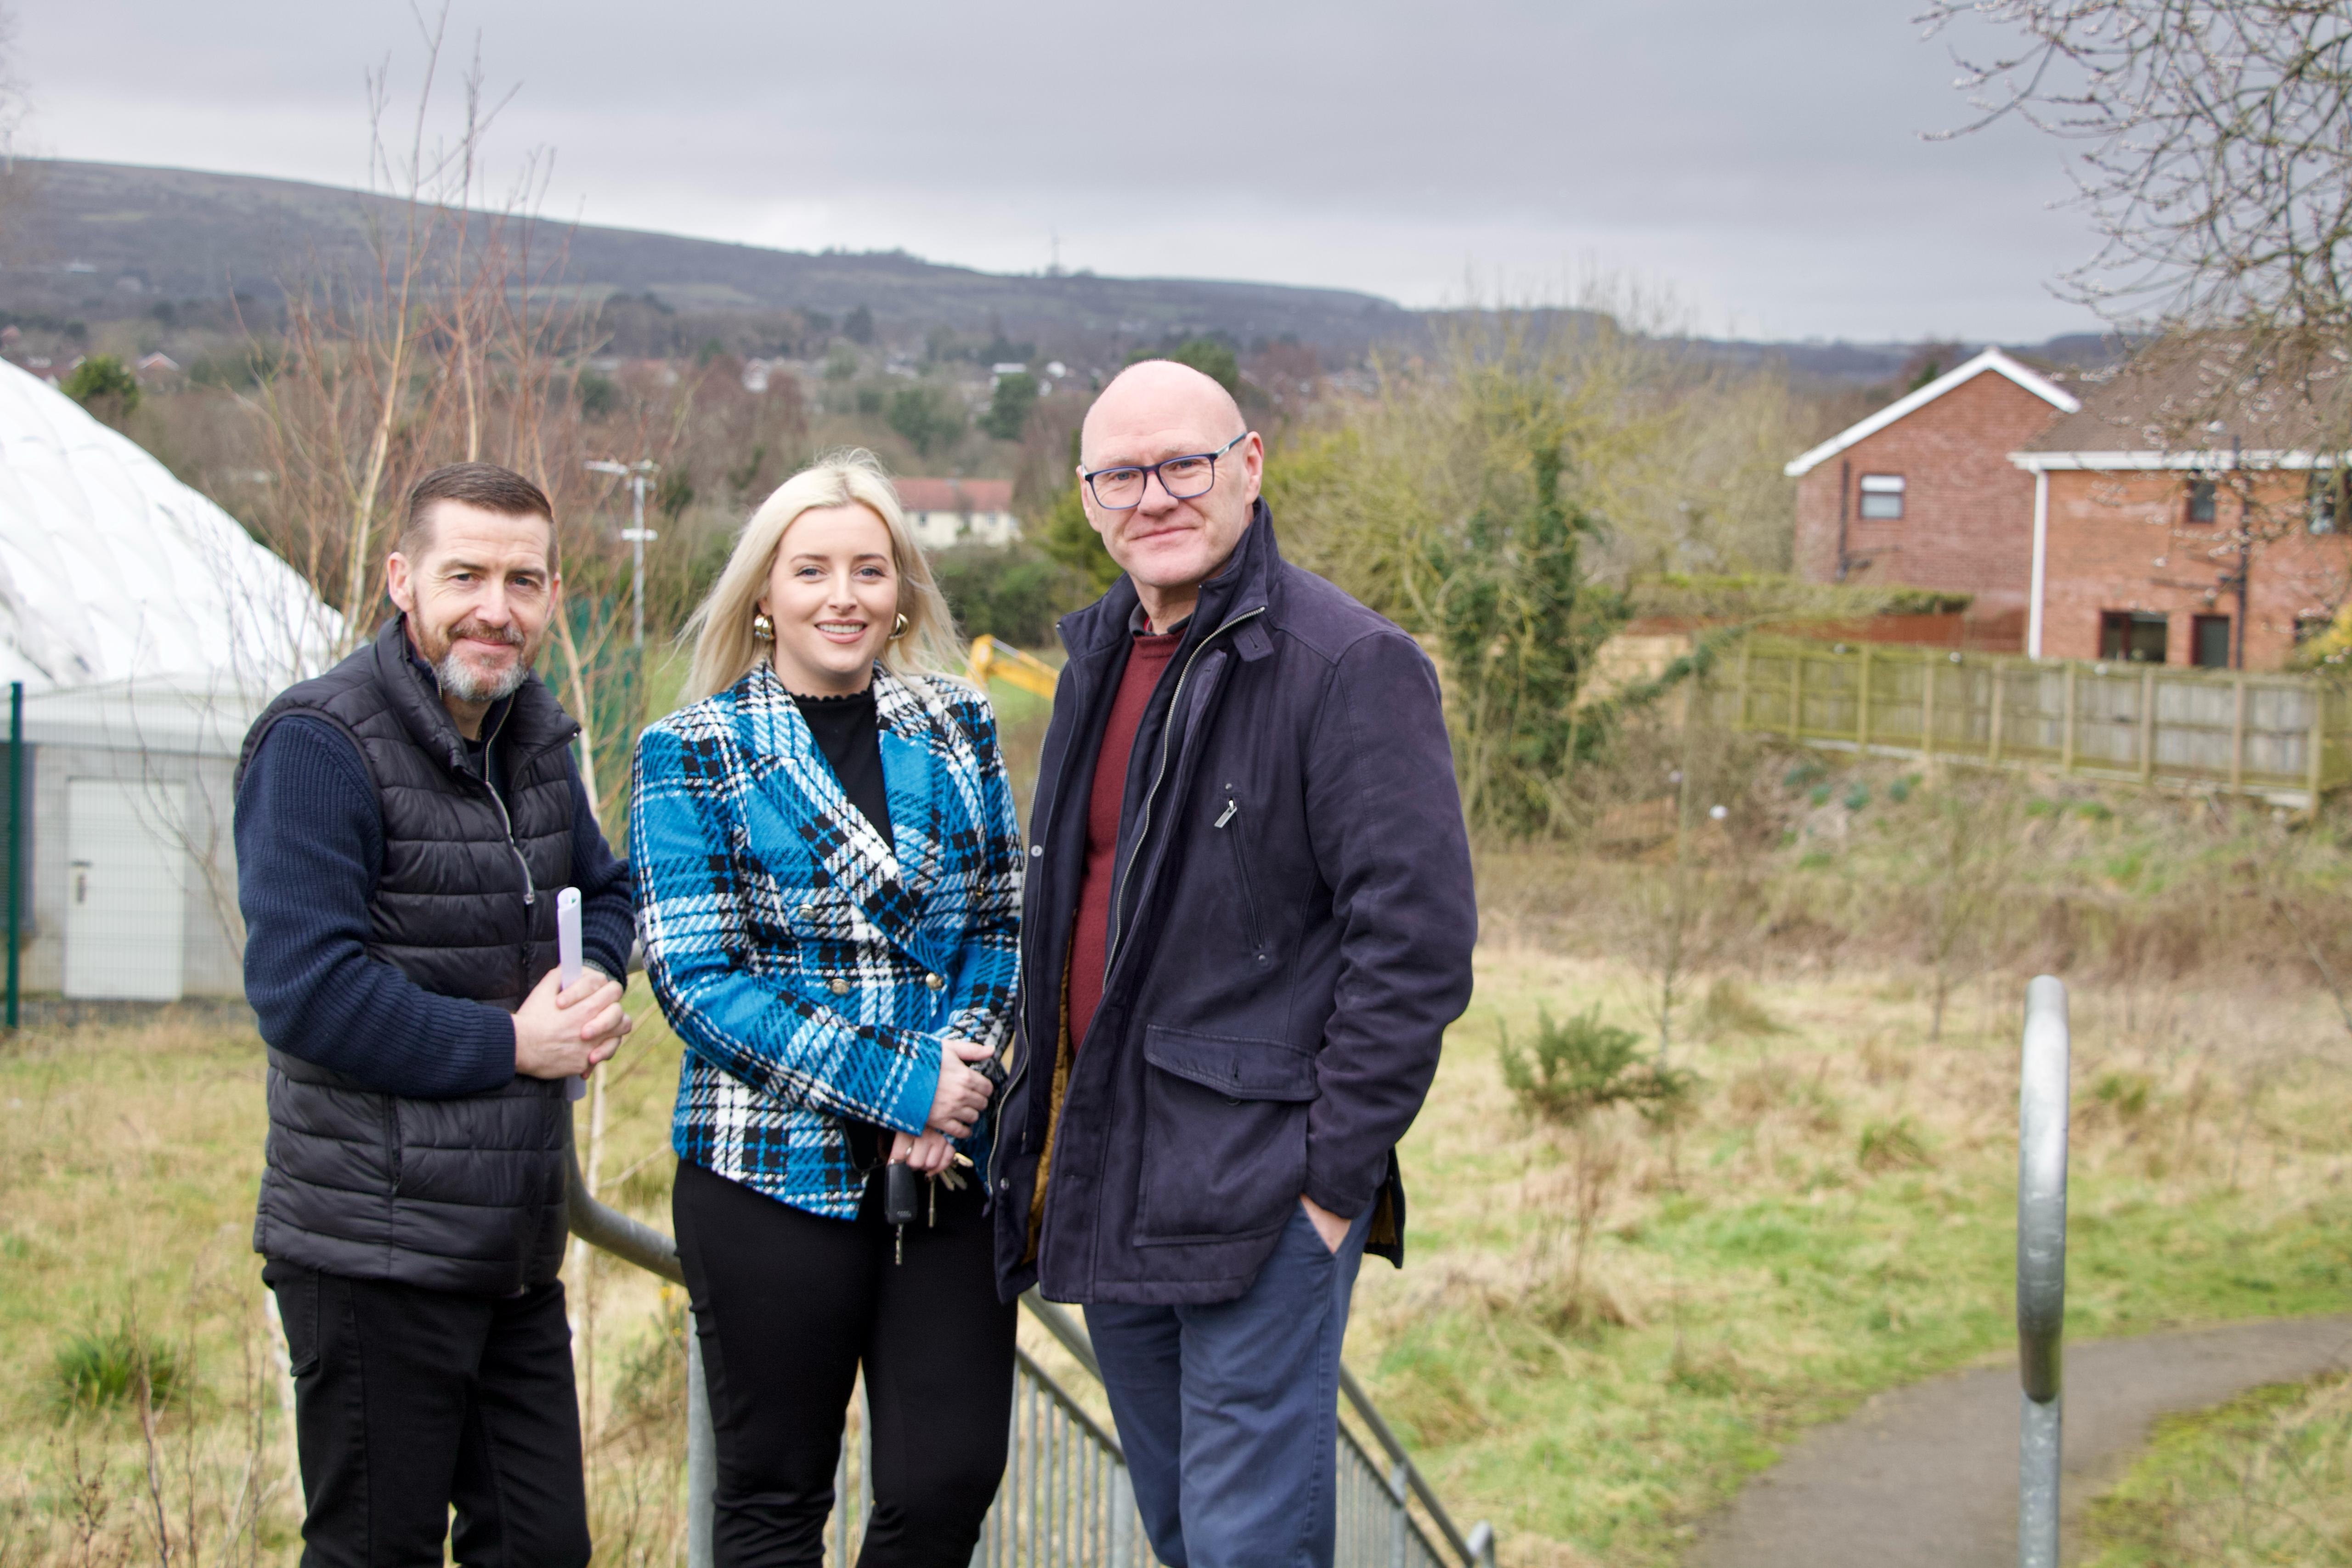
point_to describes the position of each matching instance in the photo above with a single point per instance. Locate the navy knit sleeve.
(309, 845)
(608, 922)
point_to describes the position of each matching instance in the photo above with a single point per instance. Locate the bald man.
(1248, 921)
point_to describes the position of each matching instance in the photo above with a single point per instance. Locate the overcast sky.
(1762, 163)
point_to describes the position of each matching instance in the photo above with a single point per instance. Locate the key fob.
(900, 1194)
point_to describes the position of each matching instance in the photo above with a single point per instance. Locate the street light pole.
(639, 474)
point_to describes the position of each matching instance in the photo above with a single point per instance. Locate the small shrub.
(1857, 795)
(1892, 1146)
(2094, 811)
(1803, 776)
(2041, 808)
(2123, 1095)
(1728, 1009)
(103, 1370)
(1900, 790)
(1584, 1065)
(1820, 795)
(1814, 860)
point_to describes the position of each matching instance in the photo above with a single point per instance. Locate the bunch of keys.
(898, 1204)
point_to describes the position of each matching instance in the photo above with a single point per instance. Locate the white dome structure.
(147, 629)
(112, 571)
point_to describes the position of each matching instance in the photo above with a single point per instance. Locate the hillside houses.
(2144, 517)
(945, 513)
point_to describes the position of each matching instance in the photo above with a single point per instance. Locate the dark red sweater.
(1090, 938)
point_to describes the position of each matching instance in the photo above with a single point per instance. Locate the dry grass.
(1832, 1216)
(1835, 1216)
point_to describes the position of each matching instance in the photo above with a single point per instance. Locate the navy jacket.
(1290, 935)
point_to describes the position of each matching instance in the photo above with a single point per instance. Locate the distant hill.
(102, 241)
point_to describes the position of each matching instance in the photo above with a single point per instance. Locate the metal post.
(16, 841)
(2147, 724)
(2041, 1268)
(701, 1456)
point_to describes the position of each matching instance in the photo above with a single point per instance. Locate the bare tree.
(2218, 171)
(2219, 161)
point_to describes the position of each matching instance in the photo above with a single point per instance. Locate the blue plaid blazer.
(810, 970)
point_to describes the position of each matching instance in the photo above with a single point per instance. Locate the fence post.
(1927, 672)
(2041, 1268)
(1862, 706)
(16, 841)
(2147, 724)
(2238, 734)
(2317, 747)
(1742, 722)
(1796, 693)
(2067, 736)
(702, 1455)
(1999, 707)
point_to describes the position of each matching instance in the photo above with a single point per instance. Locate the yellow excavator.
(995, 660)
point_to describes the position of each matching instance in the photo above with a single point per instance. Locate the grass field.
(2264, 1478)
(1833, 1218)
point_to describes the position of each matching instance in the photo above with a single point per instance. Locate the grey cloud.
(1764, 160)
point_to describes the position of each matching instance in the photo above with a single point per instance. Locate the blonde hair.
(724, 649)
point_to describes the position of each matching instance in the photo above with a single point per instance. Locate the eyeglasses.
(1121, 490)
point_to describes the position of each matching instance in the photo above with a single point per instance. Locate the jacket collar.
(1246, 582)
(799, 787)
(533, 720)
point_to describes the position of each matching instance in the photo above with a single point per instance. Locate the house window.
(1882, 496)
(2202, 506)
(2208, 642)
(2311, 624)
(2322, 493)
(2134, 637)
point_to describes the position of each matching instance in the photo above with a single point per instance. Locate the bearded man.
(404, 823)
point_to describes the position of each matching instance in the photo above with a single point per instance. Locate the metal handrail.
(1476, 1548)
(2041, 1268)
(633, 1241)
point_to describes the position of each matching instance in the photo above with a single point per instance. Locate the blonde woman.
(828, 869)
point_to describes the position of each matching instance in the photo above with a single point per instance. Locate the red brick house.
(2176, 524)
(1922, 493)
(2175, 511)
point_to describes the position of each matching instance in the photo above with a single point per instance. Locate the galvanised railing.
(2041, 1268)
(1065, 1500)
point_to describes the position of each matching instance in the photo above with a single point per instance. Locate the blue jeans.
(1229, 1410)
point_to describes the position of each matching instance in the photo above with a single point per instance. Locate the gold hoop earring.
(898, 628)
(762, 629)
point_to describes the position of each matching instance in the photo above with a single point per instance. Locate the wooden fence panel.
(2284, 736)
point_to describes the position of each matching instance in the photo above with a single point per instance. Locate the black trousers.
(788, 1305)
(408, 1401)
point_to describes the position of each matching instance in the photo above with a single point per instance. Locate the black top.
(848, 733)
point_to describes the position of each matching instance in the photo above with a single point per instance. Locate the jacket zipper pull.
(1227, 815)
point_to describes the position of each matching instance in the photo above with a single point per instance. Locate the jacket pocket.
(1224, 1135)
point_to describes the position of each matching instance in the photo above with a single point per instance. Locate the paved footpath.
(1926, 1476)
